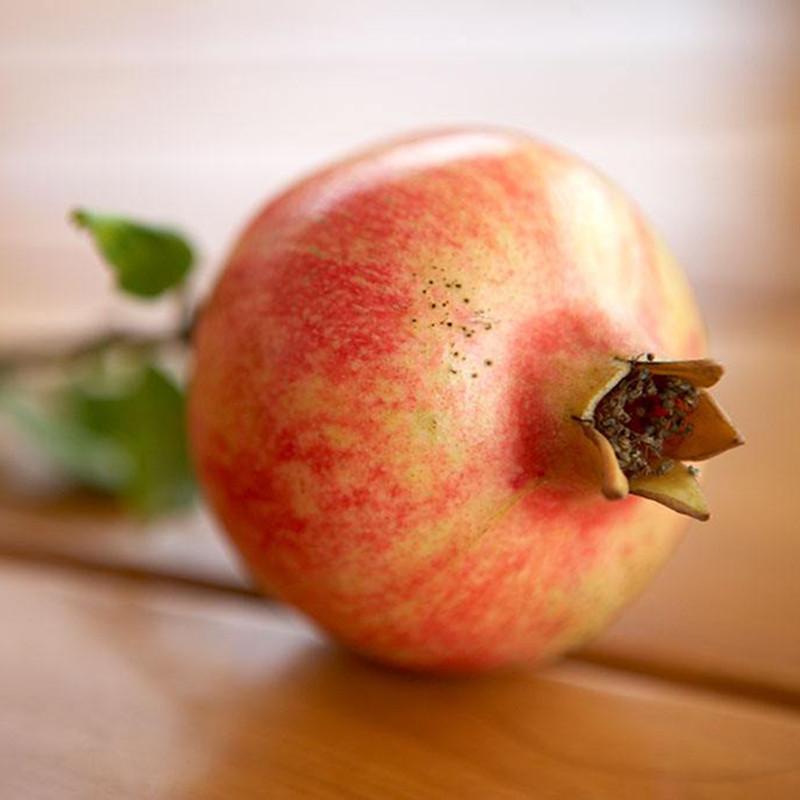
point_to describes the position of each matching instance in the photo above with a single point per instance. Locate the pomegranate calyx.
(647, 418)
(711, 432)
(614, 481)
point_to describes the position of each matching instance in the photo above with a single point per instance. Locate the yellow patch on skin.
(513, 254)
(460, 527)
(597, 228)
(307, 396)
(426, 424)
(413, 436)
(640, 548)
(301, 483)
(312, 250)
(339, 436)
(389, 391)
(683, 323)
(496, 516)
(419, 477)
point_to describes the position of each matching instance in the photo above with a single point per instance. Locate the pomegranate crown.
(647, 419)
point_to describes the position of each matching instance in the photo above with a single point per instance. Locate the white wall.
(193, 112)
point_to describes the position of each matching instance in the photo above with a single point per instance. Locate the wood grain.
(112, 689)
(87, 532)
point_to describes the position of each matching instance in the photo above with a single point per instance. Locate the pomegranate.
(437, 389)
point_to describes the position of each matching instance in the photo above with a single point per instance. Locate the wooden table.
(139, 664)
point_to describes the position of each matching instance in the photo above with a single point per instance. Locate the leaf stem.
(129, 340)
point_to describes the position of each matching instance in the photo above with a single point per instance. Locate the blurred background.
(193, 112)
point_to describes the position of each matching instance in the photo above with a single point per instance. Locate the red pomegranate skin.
(382, 402)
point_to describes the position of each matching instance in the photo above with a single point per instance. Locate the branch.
(129, 340)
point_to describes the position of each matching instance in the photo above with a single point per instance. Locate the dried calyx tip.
(646, 419)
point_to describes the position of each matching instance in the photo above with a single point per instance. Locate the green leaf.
(86, 457)
(147, 260)
(146, 419)
(120, 431)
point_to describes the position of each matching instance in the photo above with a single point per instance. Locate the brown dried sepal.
(646, 418)
(677, 489)
(614, 482)
(712, 433)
